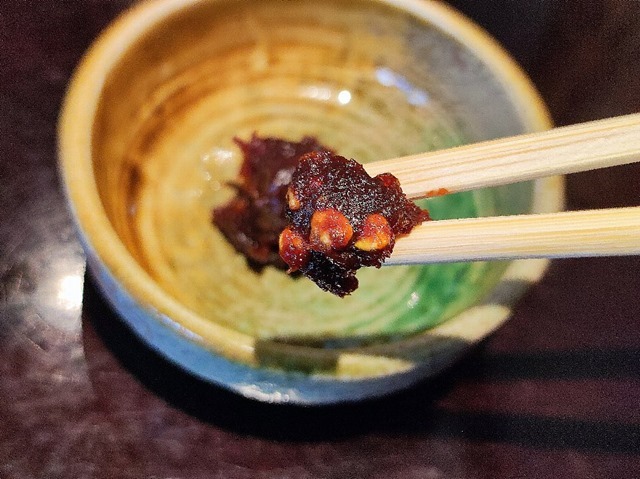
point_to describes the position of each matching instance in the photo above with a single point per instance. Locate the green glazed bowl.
(146, 152)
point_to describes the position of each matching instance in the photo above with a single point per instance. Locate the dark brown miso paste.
(342, 219)
(300, 207)
(255, 217)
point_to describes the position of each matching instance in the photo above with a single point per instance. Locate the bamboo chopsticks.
(571, 149)
(607, 232)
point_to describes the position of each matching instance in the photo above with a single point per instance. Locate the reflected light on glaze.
(210, 161)
(324, 93)
(267, 392)
(344, 97)
(415, 96)
(413, 300)
(316, 93)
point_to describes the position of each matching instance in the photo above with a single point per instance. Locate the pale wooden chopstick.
(570, 149)
(607, 232)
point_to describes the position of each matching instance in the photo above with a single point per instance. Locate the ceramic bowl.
(146, 153)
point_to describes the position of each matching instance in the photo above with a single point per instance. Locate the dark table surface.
(554, 393)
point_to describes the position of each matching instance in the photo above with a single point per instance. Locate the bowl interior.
(366, 78)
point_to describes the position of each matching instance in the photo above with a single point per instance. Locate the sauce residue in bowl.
(252, 220)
